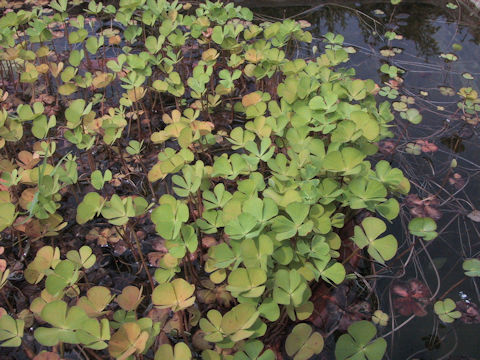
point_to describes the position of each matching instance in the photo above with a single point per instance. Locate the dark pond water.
(428, 30)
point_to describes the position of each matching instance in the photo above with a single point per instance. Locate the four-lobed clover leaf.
(379, 248)
(359, 343)
(180, 351)
(252, 350)
(247, 282)
(169, 217)
(446, 310)
(423, 227)
(176, 295)
(302, 343)
(11, 331)
(128, 340)
(346, 161)
(64, 321)
(290, 288)
(286, 228)
(472, 267)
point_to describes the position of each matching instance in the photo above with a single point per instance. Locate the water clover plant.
(423, 227)
(359, 343)
(225, 175)
(446, 310)
(381, 249)
(302, 342)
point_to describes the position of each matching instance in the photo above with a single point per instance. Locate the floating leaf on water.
(446, 91)
(449, 56)
(469, 310)
(468, 93)
(409, 100)
(359, 344)
(387, 52)
(445, 310)
(350, 49)
(412, 115)
(427, 146)
(451, 6)
(380, 318)
(472, 267)
(457, 47)
(399, 106)
(427, 207)
(413, 149)
(423, 227)
(468, 76)
(390, 35)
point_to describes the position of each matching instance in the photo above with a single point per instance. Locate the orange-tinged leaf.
(42, 68)
(253, 56)
(156, 173)
(56, 69)
(102, 80)
(130, 298)
(203, 127)
(136, 94)
(27, 160)
(127, 340)
(210, 54)
(175, 117)
(251, 99)
(114, 40)
(27, 197)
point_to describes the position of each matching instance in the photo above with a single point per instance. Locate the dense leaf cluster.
(273, 184)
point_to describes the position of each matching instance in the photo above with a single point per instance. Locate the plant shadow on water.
(439, 156)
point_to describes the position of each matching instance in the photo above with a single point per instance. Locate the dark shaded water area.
(426, 33)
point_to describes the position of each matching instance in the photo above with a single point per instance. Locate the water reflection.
(413, 19)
